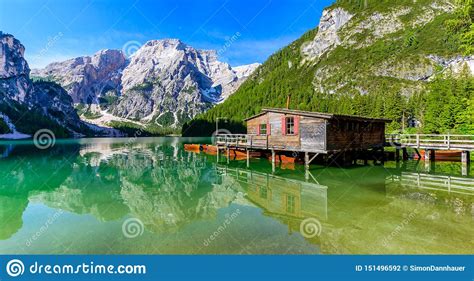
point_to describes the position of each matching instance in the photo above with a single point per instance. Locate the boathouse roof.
(319, 115)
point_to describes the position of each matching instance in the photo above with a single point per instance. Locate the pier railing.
(242, 140)
(438, 182)
(432, 141)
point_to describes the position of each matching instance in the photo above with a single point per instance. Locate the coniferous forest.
(442, 103)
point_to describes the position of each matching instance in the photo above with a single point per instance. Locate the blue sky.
(54, 30)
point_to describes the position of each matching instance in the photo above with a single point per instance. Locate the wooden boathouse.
(279, 130)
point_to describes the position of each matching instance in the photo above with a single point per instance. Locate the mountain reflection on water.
(76, 196)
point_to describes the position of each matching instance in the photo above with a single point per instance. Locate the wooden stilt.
(430, 155)
(465, 170)
(405, 154)
(466, 157)
(427, 155)
(427, 166)
(418, 153)
(248, 158)
(466, 163)
(397, 154)
(306, 160)
(382, 151)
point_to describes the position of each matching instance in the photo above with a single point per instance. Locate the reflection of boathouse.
(282, 197)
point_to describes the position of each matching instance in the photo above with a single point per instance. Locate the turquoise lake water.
(150, 196)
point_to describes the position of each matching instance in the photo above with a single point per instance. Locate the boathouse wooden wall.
(317, 134)
(310, 135)
(353, 134)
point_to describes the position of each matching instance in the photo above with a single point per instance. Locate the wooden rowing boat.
(212, 150)
(193, 147)
(283, 159)
(443, 155)
(288, 166)
(239, 154)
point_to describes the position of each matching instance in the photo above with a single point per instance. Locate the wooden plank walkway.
(419, 141)
(248, 141)
(432, 141)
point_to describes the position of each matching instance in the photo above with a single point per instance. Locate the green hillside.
(377, 79)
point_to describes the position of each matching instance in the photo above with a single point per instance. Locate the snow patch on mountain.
(14, 134)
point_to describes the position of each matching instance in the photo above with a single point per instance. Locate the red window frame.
(296, 121)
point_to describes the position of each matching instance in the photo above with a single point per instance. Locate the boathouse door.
(313, 135)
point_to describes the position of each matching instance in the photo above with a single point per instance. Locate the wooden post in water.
(306, 160)
(466, 163)
(228, 155)
(382, 150)
(248, 158)
(466, 157)
(273, 161)
(405, 154)
(397, 154)
(429, 155)
(427, 166)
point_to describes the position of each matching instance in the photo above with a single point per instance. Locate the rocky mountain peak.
(165, 81)
(327, 37)
(244, 71)
(166, 43)
(12, 62)
(87, 78)
(113, 59)
(47, 103)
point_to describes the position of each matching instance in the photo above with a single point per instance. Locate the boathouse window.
(290, 204)
(290, 125)
(263, 192)
(262, 129)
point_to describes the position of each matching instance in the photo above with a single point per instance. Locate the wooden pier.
(307, 135)
(339, 139)
(431, 143)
